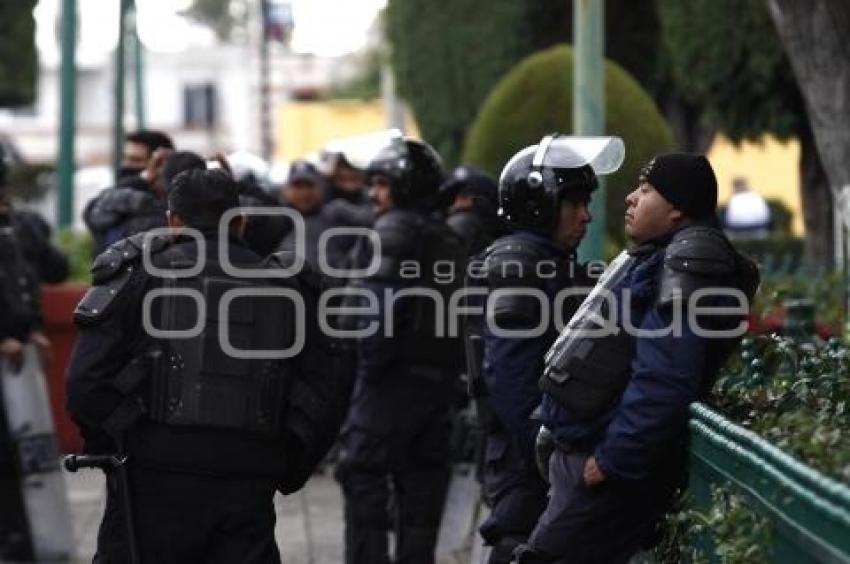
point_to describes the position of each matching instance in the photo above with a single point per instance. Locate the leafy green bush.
(735, 533)
(78, 246)
(794, 394)
(825, 290)
(535, 98)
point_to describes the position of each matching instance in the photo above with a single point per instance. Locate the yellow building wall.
(302, 128)
(771, 167)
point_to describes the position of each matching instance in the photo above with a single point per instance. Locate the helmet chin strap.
(535, 177)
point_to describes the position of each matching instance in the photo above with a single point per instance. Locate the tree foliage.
(535, 98)
(447, 60)
(725, 55)
(18, 57)
(216, 14)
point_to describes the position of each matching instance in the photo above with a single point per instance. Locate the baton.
(118, 463)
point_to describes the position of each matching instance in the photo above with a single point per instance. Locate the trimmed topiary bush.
(536, 98)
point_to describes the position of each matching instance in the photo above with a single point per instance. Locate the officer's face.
(462, 202)
(135, 155)
(348, 179)
(303, 195)
(648, 214)
(572, 222)
(379, 194)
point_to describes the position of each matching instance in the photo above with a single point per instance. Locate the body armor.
(583, 369)
(196, 382)
(587, 374)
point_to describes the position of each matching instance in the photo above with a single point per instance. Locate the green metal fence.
(809, 513)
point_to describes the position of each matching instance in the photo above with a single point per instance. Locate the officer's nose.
(631, 198)
(586, 216)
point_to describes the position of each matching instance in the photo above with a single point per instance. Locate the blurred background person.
(470, 198)
(345, 180)
(747, 213)
(137, 202)
(303, 192)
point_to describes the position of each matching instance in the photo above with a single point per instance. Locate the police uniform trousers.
(603, 524)
(183, 518)
(394, 470)
(515, 493)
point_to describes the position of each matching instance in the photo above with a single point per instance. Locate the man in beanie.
(213, 411)
(615, 406)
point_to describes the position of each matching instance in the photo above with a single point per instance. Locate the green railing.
(809, 513)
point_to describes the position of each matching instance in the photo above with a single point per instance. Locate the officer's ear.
(238, 225)
(677, 217)
(174, 221)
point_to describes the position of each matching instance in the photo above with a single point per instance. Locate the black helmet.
(414, 169)
(537, 178)
(473, 182)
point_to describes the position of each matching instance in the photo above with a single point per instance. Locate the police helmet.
(413, 168)
(470, 181)
(537, 178)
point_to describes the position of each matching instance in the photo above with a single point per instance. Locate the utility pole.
(118, 117)
(589, 104)
(266, 143)
(393, 107)
(67, 112)
(138, 68)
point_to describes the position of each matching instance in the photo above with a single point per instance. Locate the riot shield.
(30, 434)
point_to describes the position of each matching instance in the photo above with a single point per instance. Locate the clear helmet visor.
(604, 154)
(360, 150)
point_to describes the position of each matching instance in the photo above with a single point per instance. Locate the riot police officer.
(20, 323)
(304, 193)
(471, 199)
(206, 378)
(544, 193)
(396, 437)
(137, 202)
(616, 402)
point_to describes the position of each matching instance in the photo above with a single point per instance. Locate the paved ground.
(315, 512)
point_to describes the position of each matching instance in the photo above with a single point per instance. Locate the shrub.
(535, 98)
(78, 246)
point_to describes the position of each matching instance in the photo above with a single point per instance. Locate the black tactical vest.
(221, 364)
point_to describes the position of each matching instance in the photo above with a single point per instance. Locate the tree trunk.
(817, 203)
(815, 33)
(685, 121)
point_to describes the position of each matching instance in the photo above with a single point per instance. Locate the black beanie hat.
(686, 180)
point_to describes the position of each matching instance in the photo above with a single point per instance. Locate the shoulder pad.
(697, 257)
(111, 273)
(513, 261)
(113, 260)
(399, 232)
(702, 251)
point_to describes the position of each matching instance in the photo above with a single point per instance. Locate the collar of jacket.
(544, 242)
